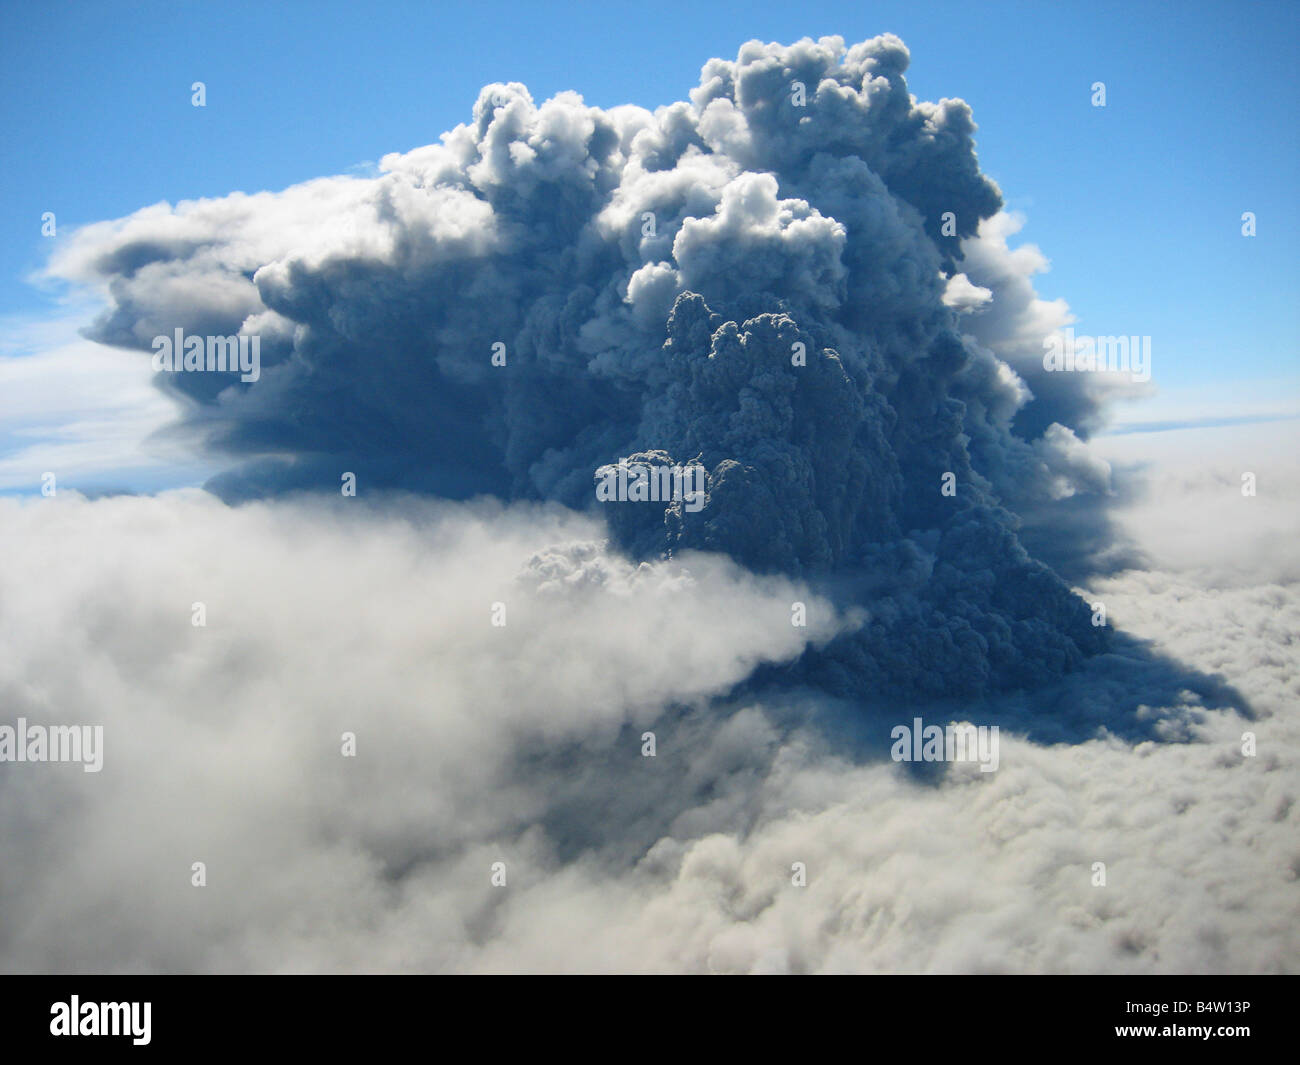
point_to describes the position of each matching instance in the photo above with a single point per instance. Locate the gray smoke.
(650, 277)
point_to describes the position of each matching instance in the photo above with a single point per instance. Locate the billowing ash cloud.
(798, 279)
(651, 279)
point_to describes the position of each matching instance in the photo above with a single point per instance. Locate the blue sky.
(1137, 204)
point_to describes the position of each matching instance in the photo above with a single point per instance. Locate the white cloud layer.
(521, 744)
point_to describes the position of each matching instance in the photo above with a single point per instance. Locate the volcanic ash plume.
(784, 280)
